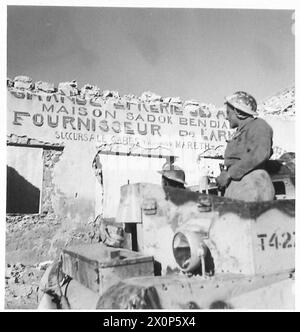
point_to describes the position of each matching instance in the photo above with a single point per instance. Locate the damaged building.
(69, 151)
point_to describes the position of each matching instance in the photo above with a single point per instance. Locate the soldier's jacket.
(249, 148)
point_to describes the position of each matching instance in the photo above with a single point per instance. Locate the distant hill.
(281, 104)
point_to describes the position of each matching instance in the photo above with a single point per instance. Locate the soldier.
(246, 153)
(172, 176)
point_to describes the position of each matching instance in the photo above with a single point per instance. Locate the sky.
(193, 53)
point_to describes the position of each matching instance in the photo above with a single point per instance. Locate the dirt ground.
(22, 285)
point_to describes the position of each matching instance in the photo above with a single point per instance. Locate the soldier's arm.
(258, 148)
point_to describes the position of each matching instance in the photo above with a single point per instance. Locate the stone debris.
(110, 94)
(23, 140)
(122, 101)
(192, 102)
(12, 139)
(176, 100)
(23, 83)
(90, 91)
(9, 82)
(45, 87)
(166, 100)
(107, 94)
(97, 101)
(68, 88)
(130, 97)
(15, 139)
(149, 96)
(44, 265)
(134, 100)
(282, 104)
(206, 110)
(21, 286)
(191, 105)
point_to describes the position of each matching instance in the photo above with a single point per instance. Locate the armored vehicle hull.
(185, 251)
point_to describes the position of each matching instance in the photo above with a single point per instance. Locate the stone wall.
(280, 104)
(29, 238)
(34, 238)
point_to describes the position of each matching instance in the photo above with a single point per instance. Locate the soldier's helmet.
(243, 102)
(173, 172)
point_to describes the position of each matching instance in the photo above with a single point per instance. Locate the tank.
(182, 249)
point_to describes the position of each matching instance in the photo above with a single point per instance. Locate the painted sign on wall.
(121, 122)
(123, 126)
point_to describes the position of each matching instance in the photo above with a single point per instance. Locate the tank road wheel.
(126, 296)
(220, 305)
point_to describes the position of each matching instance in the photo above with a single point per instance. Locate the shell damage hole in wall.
(28, 235)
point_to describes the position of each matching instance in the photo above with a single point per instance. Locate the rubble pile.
(23, 83)
(44, 87)
(110, 94)
(90, 91)
(149, 96)
(282, 104)
(9, 83)
(68, 88)
(95, 94)
(25, 222)
(22, 285)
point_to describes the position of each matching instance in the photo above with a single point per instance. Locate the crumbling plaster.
(67, 211)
